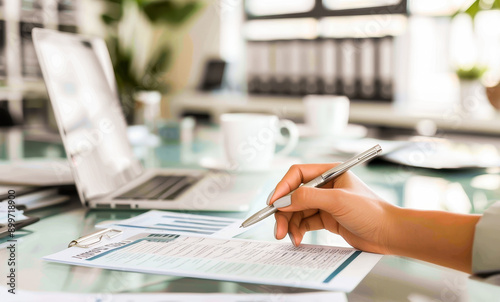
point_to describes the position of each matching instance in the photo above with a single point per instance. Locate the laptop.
(80, 82)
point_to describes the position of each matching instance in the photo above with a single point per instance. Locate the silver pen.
(316, 182)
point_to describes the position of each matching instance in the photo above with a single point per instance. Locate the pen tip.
(241, 226)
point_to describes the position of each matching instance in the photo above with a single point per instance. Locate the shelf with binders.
(360, 68)
(18, 62)
(20, 74)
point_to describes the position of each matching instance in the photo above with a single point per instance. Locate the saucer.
(220, 164)
(351, 131)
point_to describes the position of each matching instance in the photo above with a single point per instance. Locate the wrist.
(394, 227)
(439, 237)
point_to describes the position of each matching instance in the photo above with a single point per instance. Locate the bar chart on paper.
(180, 223)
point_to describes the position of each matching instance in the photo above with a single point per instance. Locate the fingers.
(318, 221)
(285, 220)
(302, 215)
(332, 201)
(309, 224)
(297, 175)
(294, 224)
(282, 220)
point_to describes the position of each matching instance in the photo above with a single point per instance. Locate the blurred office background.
(416, 58)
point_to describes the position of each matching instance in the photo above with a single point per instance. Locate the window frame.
(319, 11)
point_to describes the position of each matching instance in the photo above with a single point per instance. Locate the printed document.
(307, 266)
(180, 223)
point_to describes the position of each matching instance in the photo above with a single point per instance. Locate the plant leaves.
(157, 11)
(108, 20)
(122, 62)
(153, 77)
(168, 11)
(473, 9)
(113, 12)
(162, 62)
(476, 72)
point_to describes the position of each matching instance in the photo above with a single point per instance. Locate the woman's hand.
(344, 206)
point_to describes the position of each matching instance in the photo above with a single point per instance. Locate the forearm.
(442, 238)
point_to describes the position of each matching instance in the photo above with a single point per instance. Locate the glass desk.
(392, 279)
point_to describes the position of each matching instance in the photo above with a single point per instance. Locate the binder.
(295, 67)
(67, 28)
(348, 68)
(260, 64)
(385, 67)
(310, 68)
(265, 53)
(66, 14)
(281, 79)
(260, 67)
(367, 69)
(32, 11)
(329, 66)
(252, 67)
(30, 67)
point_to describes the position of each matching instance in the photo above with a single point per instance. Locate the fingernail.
(275, 229)
(291, 238)
(269, 197)
(284, 201)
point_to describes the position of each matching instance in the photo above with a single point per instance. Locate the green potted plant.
(472, 92)
(473, 97)
(142, 36)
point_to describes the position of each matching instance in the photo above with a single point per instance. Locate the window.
(363, 26)
(304, 28)
(278, 7)
(436, 8)
(353, 4)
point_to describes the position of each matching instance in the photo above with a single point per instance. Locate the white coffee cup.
(250, 139)
(326, 115)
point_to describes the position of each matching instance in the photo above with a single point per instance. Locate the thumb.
(305, 198)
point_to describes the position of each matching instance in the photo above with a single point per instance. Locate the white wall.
(201, 42)
(90, 21)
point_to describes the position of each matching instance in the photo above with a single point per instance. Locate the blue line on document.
(166, 229)
(202, 223)
(163, 240)
(187, 227)
(199, 219)
(342, 266)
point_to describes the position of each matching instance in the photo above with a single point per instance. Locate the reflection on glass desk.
(392, 279)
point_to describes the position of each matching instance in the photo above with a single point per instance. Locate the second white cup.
(326, 115)
(250, 139)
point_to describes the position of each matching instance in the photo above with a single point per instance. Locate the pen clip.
(94, 238)
(370, 153)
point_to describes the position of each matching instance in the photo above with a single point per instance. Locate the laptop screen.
(87, 111)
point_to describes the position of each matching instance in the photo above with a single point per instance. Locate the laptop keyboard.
(161, 188)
